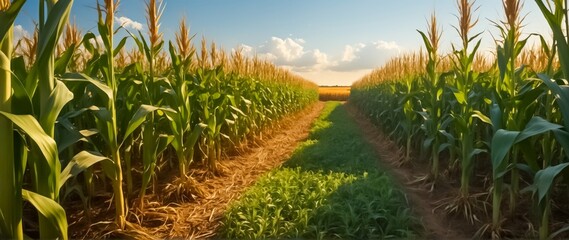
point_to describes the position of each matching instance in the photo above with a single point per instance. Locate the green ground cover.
(330, 188)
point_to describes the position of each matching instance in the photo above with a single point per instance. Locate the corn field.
(78, 116)
(503, 118)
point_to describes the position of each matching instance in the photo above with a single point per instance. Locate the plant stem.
(496, 202)
(10, 206)
(544, 224)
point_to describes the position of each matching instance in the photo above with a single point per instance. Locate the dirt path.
(201, 218)
(437, 225)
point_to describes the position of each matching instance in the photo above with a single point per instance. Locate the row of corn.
(76, 107)
(503, 118)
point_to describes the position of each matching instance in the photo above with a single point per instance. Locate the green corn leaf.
(502, 142)
(562, 137)
(529, 153)
(8, 17)
(63, 61)
(426, 41)
(163, 141)
(50, 209)
(139, 117)
(56, 101)
(475, 49)
(460, 97)
(195, 134)
(556, 26)
(536, 126)
(69, 135)
(544, 178)
(496, 117)
(86, 41)
(444, 146)
(21, 97)
(475, 152)
(121, 44)
(78, 164)
(158, 47)
(502, 62)
(562, 95)
(53, 27)
(428, 142)
(544, 45)
(103, 89)
(32, 128)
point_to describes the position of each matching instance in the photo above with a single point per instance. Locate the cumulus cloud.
(128, 23)
(245, 49)
(285, 50)
(292, 54)
(366, 56)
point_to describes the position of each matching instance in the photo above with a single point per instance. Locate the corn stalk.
(10, 167)
(185, 135)
(433, 108)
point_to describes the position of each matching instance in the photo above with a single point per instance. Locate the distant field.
(340, 93)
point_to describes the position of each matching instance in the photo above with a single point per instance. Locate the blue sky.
(331, 42)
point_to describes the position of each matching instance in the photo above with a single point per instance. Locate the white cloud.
(19, 33)
(246, 49)
(286, 50)
(128, 23)
(366, 56)
(350, 52)
(341, 68)
(291, 53)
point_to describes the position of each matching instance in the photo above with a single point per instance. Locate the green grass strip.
(330, 188)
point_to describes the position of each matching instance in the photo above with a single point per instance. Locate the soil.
(200, 218)
(424, 203)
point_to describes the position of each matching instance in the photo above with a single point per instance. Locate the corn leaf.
(32, 128)
(78, 164)
(562, 94)
(502, 142)
(8, 17)
(50, 209)
(57, 100)
(63, 61)
(544, 178)
(536, 126)
(103, 89)
(56, 20)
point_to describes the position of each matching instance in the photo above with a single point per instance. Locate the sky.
(330, 42)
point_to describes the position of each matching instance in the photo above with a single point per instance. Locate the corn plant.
(53, 95)
(106, 114)
(36, 133)
(432, 115)
(11, 168)
(508, 111)
(463, 89)
(108, 117)
(154, 141)
(185, 135)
